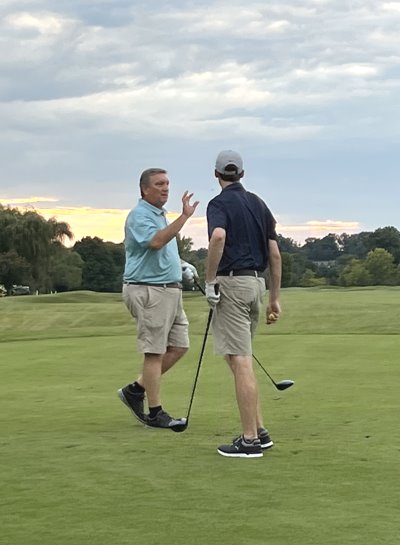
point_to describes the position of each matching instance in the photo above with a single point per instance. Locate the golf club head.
(284, 384)
(180, 426)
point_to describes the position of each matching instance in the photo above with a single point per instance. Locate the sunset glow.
(108, 223)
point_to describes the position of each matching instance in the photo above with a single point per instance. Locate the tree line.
(33, 252)
(363, 259)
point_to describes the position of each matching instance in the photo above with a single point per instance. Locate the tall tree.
(387, 238)
(65, 270)
(99, 270)
(34, 238)
(355, 274)
(381, 267)
(14, 269)
(287, 244)
(356, 245)
(185, 245)
(299, 264)
(322, 249)
(309, 279)
(287, 273)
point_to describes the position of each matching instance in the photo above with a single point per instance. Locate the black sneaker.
(265, 439)
(242, 449)
(134, 401)
(162, 420)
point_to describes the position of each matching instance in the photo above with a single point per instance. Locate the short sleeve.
(141, 228)
(216, 217)
(271, 226)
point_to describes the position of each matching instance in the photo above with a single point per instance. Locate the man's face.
(156, 193)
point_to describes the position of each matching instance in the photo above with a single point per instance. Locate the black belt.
(168, 285)
(241, 272)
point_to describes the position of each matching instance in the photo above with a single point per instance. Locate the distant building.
(328, 263)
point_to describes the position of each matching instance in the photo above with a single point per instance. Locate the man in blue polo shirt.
(152, 291)
(242, 243)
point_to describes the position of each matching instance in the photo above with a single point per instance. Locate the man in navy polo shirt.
(242, 244)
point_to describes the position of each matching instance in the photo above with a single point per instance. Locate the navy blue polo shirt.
(248, 224)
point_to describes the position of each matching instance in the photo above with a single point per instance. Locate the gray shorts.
(160, 318)
(236, 316)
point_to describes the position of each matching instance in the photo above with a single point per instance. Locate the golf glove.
(212, 294)
(189, 272)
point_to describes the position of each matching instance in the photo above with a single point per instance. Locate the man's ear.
(242, 174)
(216, 173)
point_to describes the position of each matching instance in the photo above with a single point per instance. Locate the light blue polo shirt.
(142, 264)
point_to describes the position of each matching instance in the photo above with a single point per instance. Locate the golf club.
(283, 384)
(185, 421)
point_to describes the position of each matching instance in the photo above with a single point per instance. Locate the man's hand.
(273, 312)
(187, 208)
(212, 294)
(189, 272)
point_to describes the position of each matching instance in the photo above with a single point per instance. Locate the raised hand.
(188, 208)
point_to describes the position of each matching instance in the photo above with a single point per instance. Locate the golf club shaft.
(210, 313)
(265, 371)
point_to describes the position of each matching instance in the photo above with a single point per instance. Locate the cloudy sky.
(92, 92)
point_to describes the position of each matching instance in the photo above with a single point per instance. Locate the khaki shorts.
(236, 316)
(160, 318)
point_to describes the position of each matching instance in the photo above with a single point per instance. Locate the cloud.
(317, 229)
(92, 92)
(44, 23)
(26, 201)
(108, 223)
(105, 223)
(252, 22)
(391, 6)
(343, 70)
(195, 228)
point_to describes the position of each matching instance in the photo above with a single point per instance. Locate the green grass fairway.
(77, 468)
